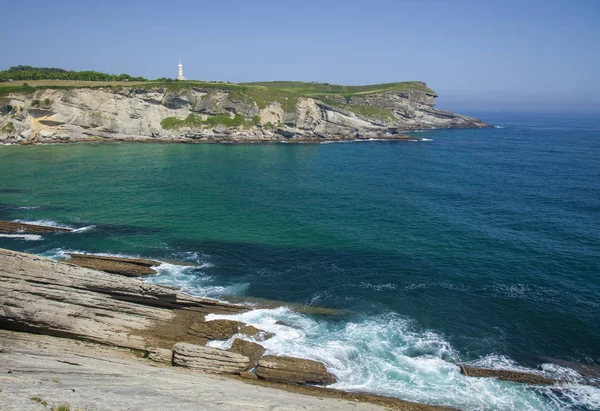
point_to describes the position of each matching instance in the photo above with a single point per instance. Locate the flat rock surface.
(91, 377)
(12, 227)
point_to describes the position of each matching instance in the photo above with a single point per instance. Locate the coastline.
(57, 341)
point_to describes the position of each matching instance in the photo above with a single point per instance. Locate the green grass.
(321, 89)
(39, 401)
(193, 121)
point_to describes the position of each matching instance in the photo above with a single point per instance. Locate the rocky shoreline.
(232, 114)
(101, 300)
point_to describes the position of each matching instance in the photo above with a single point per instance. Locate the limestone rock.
(506, 375)
(131, 267)
(160, 355)
(53, 298)
(135, 114)
(293, 370)
(209, 359)
(249, 349)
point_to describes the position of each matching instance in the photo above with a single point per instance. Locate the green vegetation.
(51, 73)
(39, 401)
(35, 103)
(322, 89)
(193, 121)
(9, 127)
(62, 407)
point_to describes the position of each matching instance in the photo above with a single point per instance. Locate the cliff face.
(213, 115)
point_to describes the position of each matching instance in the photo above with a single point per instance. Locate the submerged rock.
(293, 370)
(208, 359)
(506, 375)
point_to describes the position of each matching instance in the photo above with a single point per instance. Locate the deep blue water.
(479, 245)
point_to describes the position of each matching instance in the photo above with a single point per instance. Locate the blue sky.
(505, 55)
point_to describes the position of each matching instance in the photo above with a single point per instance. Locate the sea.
(475, 246)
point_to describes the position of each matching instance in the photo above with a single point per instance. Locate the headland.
(61, 111)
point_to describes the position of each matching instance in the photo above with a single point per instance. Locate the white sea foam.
(426, 139)
(193, 280)
(26, 237)
(51, 223)
(498, 127)
(386, 355)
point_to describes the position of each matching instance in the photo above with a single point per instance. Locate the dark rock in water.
(130, 267)
(293, 370)
(297, 327)
(249, 349)
(225, 329)
(506, 375)
(11, 227)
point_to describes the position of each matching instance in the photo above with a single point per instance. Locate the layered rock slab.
(293, 370)
(208, 359)
(130, 267)
(55, 298)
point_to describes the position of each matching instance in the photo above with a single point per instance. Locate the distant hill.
(53, 73)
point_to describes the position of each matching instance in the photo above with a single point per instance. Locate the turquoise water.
(480, 246)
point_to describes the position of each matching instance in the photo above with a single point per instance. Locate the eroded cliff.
(204, 112)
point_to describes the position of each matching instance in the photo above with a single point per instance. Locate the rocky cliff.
(205, 112)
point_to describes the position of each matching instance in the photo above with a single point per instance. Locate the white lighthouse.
(180, 72)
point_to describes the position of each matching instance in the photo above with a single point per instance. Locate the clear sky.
(515, 55)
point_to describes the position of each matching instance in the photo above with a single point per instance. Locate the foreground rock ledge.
(208, 359)
(296, 370)
(50, 297)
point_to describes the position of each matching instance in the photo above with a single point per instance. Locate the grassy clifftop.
(260, 92)
(321, 89)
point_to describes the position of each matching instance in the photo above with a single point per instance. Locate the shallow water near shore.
(480, 246)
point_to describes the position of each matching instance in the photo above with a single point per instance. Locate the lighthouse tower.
(180, 72)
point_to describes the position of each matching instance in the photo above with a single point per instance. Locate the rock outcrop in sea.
(218, 113)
